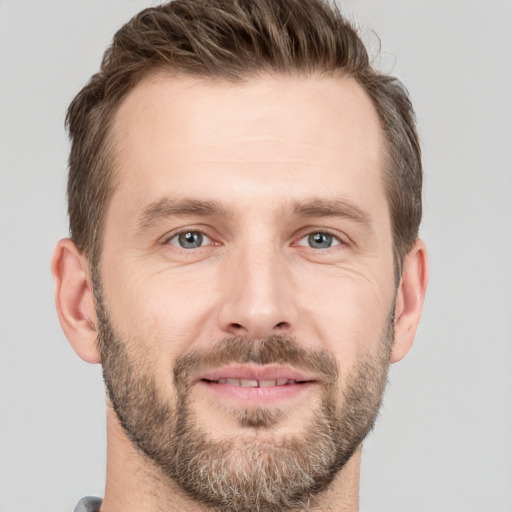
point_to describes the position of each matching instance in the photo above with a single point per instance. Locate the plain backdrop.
(443, 442)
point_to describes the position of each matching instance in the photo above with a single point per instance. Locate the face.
(246, 287)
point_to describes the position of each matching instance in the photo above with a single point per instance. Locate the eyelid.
(304, 233)
(342, 239)
(166, 239)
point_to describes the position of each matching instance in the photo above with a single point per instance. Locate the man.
(244, 199)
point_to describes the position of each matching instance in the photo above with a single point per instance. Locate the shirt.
(88, 504)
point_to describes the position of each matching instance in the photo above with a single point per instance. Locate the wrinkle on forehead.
(204, 110)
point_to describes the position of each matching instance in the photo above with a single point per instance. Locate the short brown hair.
(234, 40)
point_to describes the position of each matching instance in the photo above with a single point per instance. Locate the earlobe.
(409, 300)
(74, 300)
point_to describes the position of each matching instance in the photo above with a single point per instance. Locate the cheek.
(166, 310)
(349, 314)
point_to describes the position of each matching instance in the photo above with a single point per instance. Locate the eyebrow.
(333, 208)
(168, 207)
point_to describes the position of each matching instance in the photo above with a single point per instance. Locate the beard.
(256, 472)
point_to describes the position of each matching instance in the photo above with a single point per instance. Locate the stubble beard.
(257, 472)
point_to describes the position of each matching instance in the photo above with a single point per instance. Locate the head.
(244, 200)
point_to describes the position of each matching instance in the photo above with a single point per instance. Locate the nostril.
(256, 330)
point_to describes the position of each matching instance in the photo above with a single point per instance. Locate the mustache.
(276, 349)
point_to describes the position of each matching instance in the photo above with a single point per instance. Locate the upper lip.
(256, 372)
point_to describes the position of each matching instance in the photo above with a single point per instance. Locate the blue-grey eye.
(189, 240)
(319, 240)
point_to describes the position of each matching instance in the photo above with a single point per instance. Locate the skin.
(259, 149)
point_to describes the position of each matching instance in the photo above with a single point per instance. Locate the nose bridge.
(259, 301)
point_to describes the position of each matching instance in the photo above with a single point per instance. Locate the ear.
(74, 300)
(409, 300)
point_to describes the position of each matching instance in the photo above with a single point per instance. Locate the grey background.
(444, 438)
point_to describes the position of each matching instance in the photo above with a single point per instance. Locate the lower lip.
(253, 396)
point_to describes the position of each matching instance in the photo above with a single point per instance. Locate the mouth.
(256, 385)
(249, 383)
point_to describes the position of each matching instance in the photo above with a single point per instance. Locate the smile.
(254, 385)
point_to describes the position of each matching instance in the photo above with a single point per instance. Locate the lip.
(256, 372)
(289, 383)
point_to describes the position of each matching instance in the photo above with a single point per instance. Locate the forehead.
(266, 137)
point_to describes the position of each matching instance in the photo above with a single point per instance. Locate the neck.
(135, 484)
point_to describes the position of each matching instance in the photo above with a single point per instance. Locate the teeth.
(249, 383)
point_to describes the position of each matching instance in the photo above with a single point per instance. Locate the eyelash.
(168, 240)
(335, 238)
(337, 241)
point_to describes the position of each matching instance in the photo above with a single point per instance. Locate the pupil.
(191, 240)
(320, 240)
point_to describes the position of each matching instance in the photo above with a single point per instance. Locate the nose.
(257, 299)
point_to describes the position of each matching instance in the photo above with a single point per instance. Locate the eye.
(190, 240)
(319, 240)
